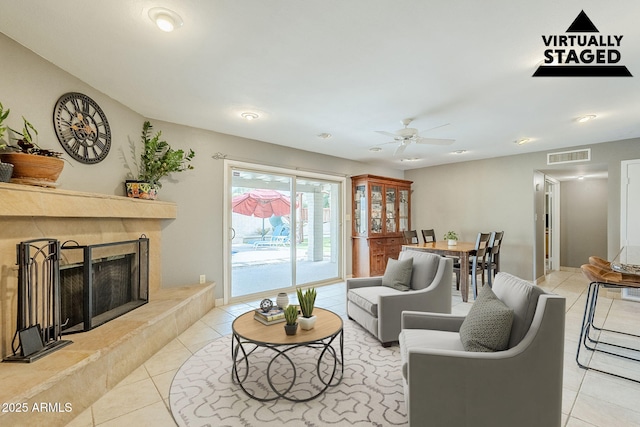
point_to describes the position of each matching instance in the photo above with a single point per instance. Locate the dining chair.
(410, 237)
(493, 255)
(429, 236)
(477, 262)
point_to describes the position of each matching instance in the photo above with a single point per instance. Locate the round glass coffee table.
(268, 364)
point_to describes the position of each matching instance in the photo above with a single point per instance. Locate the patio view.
(280, 241)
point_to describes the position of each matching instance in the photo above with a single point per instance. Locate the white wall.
(583, 221)
(192, 244)
(498, 194)
(481, 196)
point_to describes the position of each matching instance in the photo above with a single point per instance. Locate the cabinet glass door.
(360, 210)
(403, 210)
(376, 209)
(390, 200)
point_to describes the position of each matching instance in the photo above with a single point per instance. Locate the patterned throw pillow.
(397, 275)
(487, 327)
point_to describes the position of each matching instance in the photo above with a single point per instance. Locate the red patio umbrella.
(261, 203)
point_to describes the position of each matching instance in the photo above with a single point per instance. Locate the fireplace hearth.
(101, 282)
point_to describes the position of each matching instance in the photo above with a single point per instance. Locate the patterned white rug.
(370, 393)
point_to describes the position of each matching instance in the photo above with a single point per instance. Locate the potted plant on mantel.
(157, 160)
(6, 169)
(290, 317)
(31, 164)
(307, 301)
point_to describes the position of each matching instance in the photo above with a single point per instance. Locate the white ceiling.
(348, 68)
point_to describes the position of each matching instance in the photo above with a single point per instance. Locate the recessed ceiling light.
(587, 118)
(167, 20)
(412, 159)
(324, 135)
(248, 115)
(459, 152)
(375, 149)
(522, 141)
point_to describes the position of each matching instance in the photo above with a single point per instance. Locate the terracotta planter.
(141, 190)
(33, 169)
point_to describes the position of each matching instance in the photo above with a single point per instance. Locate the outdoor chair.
(279, 237)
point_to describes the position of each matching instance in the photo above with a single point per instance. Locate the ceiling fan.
(404, 137)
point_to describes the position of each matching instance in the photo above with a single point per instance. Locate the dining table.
(461, 250)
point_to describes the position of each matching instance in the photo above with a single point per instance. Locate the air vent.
(569, 157)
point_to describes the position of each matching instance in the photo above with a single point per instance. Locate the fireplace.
(101, 282)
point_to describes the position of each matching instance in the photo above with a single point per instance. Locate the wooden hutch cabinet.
(381, 208)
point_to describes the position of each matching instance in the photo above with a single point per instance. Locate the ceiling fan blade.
(437, 127)
(392, 135)
(435, 141)
(400, 149)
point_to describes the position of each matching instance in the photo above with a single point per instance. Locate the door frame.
(227, 233)
(555, 221)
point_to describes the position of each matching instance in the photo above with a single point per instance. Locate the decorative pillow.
(487, 327)
(397, 275)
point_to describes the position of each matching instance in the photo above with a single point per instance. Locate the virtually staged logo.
(582, 55)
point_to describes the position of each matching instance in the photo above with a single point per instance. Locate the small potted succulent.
(31, 164)
(307, 300)
(451, 237)
(291, 317)
(157, 161)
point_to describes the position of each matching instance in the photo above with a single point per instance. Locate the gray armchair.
(378, 308)
(444, 385)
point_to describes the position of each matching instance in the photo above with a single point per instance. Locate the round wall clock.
(82, 128)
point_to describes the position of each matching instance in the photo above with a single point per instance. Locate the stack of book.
(275, 315)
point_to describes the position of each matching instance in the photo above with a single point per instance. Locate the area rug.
(370, 393)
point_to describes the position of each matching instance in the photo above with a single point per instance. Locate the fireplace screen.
(101, 282)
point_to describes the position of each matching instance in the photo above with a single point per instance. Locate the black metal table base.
(243, 349)
(596, 344)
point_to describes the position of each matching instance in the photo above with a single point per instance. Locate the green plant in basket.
(291, 314)
(306, 300)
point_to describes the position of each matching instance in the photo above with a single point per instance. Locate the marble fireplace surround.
(98, 359)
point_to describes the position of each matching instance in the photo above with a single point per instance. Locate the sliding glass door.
(285, 231)
(318, 253)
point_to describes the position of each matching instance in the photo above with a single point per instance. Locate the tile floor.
(589, 399)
